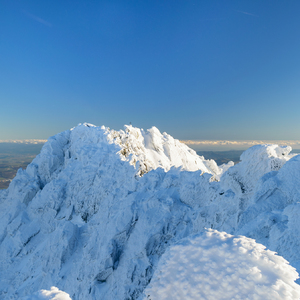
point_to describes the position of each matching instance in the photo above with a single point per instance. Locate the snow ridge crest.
(145, 150)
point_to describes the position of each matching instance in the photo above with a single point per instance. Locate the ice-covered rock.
(272, 217)
(255, 162)
(97, 208)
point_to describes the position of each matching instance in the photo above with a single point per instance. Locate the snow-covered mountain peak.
(152, 150)
(97, 208)
(145, 150)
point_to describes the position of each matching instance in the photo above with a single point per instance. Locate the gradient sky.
(195, 69)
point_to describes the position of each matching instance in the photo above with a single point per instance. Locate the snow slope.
(215, 265)
(97, 208)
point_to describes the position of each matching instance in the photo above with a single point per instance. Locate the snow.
(53, 294)
(255, 162)
(97, 209)
(217, 265)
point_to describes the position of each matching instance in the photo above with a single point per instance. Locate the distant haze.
(197, 145)
(29, 141)
(206, 145)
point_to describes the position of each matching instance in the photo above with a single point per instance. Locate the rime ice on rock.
(255, 162)
(97, 208)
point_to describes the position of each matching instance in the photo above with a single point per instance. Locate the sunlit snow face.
(216, 265)
(53, 294)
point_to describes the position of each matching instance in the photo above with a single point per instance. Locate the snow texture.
(53, 294)
(97, 208)
(216, 265)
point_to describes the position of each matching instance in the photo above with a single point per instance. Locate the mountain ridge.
(145, 191)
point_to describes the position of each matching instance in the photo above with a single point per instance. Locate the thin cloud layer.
(38, 19)
(29, 141)
(246, 13)
(238, 145)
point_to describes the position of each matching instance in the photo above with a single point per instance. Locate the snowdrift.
(95, 211)
(216, 265)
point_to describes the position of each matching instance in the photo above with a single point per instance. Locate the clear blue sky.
(195, 69)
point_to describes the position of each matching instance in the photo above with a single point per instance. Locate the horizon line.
(188, 142)
(24, 141)
(236, 141)
(237, 144)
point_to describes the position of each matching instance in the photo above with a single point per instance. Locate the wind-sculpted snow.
(97, 208)
(255, 162)
(273, 216)
(216, 265)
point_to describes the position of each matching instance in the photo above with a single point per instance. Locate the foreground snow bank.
(217, 265)
(53, 294)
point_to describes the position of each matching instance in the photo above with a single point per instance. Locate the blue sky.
(195, 69)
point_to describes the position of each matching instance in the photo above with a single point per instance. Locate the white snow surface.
(97, 208)
(53, 294)
(216, 265)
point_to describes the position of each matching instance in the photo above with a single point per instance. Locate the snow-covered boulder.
(255, 162)
(216, 265)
